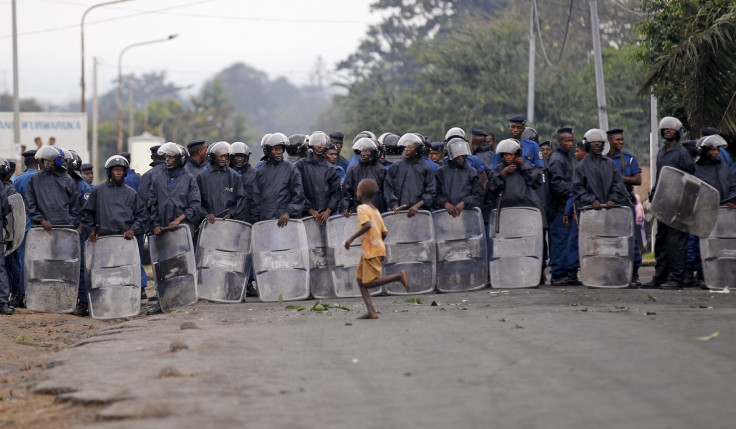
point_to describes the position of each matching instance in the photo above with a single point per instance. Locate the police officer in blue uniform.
(628, 167)
(560, 182)
(337, 139)
(723, 155)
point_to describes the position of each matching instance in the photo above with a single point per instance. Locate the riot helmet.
(273, 140)
(366, 144)
(530, 133)
(670, 123)
(509, 146)
(595, 135)
(74, 164)
(215, 151)
(454, 132)
(457, 147)
(238, 149)
(264, 138)
(391, 143)
(705, 144)
(411, 140)
(177, 151)
(116, 161)
(51, 153)
(298, 145)
(5, 167)
(319, 139)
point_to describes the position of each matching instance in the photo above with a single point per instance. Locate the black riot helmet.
(116, 161)
(298, 145)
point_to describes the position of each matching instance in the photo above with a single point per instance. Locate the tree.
(26, 104)
(689, 51)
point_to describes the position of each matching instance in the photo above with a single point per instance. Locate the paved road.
(549, 357)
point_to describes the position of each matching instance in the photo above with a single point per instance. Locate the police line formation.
(461, 215)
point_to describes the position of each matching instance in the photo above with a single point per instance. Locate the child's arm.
(363, 229)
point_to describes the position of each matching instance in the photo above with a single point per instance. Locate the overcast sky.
(282, 38)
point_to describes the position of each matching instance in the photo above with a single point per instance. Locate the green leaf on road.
(407, 374)
(25, 339)
(296, 307)
(414, 300)
(318, 307)
(707, 337)
(652, 298)
(518, 327)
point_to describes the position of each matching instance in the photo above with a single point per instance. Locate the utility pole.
(653, 139)
(16, 94)
(600, 87)
(131, 121)
(95, 118)
(532, 58)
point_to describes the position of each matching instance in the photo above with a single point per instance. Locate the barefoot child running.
(372, 232)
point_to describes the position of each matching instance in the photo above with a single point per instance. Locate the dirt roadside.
(27, 340)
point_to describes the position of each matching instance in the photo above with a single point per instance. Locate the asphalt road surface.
(526, 358)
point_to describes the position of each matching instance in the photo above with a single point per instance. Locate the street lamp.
(120, 85)
(82, 25)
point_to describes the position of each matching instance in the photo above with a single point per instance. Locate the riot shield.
(679, 197)
(174, 267)
(718, 252)
(410, 246)
(281, 260)
(15, 224)
(516, 250)
(223, 260)
(606, 247)
(462, 263)
(114, 277)
(345, 262)
(51, 270)
(320, 261)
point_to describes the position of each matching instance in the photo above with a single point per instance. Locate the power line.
(564, 40)
(163, 11)
(627, 9)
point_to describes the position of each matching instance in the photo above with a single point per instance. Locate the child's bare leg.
(400, 277)
(371, 314)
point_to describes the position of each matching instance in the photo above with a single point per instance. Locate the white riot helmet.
(175, 150)
(596, 135)
(508, 146)
(713, 140)
(366, 143)
(411, 139)
(239, 148)
(319, 138)
(215, 150)
(457, 147)
(668, 122)
(51, 153)
(362, 134)
(264, 138)
(273, 140)
(454, 132)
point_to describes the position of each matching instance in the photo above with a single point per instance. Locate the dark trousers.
(21, 259)
(670, 251)
(144, 277)
(4, 286)
(82, 291)
(12, 267)
(559, 237)
(694, 262)
(573, 253)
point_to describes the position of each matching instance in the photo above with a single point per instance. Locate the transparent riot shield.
(281, 260)
(606, 247)
(462, 263)
(223, 260)
(113, 277)
(51, 270)
(516, 249)
(685, 202)
(410, 246)
(345, 262)
(718, 252)
(320, 261)
(15, 223)
(174, 267)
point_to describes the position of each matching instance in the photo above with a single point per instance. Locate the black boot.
(635, 282)
(6, 309)
(82, 309)
(572, 278)
(18, 301)
(156, 309)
